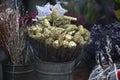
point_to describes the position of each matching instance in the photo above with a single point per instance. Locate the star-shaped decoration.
(48, 9)
(61, 10)
(48, 5)
(43, 11)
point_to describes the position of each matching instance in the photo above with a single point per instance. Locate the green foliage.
(85, 8)
(117, 13)
(72, 7)
(89, 12)
(117, 1)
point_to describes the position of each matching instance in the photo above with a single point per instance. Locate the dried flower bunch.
(106, 69)
(99, 32)
(11, 34)
(59, 40)
(59, 32)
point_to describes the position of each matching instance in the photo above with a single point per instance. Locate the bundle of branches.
(11, 34)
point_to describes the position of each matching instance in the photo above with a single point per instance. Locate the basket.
(20, 72)
(49, 53)
(54, 70)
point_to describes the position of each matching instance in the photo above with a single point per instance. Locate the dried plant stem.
(13, 36)
(108, 50)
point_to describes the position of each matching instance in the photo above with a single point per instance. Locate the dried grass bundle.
(2, 29)
(11, 34)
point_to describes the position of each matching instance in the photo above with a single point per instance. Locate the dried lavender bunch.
(13, 35)
(98, 35)
(106, 69)
(118, 49)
